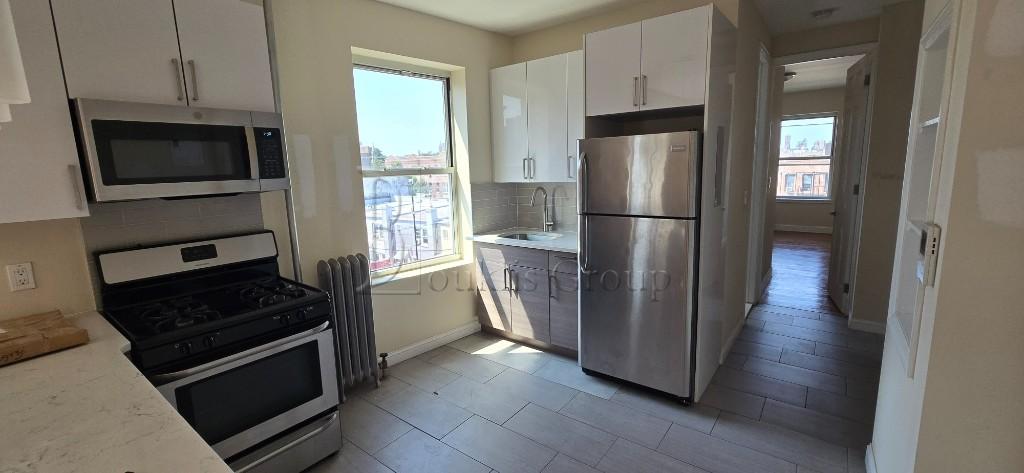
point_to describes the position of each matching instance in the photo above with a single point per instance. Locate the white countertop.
(88, 409)
(567, 241)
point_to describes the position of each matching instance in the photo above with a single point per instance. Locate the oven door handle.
(176, 375)
(294, 443)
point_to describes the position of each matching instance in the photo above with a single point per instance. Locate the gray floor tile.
(564, 464)
(735, 360)
(804, 469)
(425, 411)
(505, 352)
(772, 317)
(855, 463)
(737, 402)
(617, 419)
(767, 352)
(755, 384)
(498, 447)
(571, 437)
(860, 410)
(700, 417)
(806, 333)
(388, 387)
(861, 357)
(793, 374)
(417, 452)
(782, 443)
(351, 459)
(837, 325)
(483, 400)
(757, 336)
(717, 455)
(470, 366)
(571, 375)
(426, 376)
(755, 323)
(368, 426)
(830, 366)
(533, 389)
(626, 456)
(479, 341)
(832, 429)
(787, 311)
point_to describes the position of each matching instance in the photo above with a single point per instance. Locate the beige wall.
(314, 40)
(809, 215)
(57, 253)
(828, 37)
(899, 35)
(569, 36)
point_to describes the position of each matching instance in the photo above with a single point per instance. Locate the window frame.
(449, 169)
(831, 158)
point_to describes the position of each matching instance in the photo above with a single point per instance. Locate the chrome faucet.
(549, 220)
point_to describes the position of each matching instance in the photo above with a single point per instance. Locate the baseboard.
(867, 326)
(869, 460)
(803, 228)
(727, 346)
(421, 347)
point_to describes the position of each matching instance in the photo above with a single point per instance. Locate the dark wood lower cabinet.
(492, 283)
(530, 303)
(564, 311)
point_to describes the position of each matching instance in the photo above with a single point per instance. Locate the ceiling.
(511, 17)
(822, 74)
(794, 15)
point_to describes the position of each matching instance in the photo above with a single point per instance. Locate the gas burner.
(177, 313)
(290, 290)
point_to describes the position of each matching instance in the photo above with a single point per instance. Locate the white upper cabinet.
(225, 53)
(576, 102)
(508, 123)
(613, 70)
(546, 118)
(39, 175)
(654, 64)
(120, 50)
(673, 59)
(202, 53)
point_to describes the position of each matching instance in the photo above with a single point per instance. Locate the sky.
(812, 129)
(400, 115)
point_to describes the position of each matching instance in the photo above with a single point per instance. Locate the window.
(805, 153)
(406, 162)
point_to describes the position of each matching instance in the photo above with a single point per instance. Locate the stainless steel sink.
(530, 236)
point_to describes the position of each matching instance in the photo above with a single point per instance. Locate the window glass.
(805, 157)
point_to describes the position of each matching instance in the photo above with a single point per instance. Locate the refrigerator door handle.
(582, 187)
(585, 244)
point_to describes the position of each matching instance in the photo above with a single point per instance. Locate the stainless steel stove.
(246, 356)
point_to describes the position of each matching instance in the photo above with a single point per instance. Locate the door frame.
(759, 193)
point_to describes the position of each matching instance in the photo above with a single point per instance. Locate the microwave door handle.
(254, 163)
(176, 375)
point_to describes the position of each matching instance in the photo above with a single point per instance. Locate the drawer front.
(564, 263)
(513, 256)
(564, 313)
(529, 308)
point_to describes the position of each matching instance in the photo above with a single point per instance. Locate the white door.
(546, 118)
(847, 191)
(225, 54)
(613, 70)
(576, 98)
(673, 65)
(759, 182)
(508, 123)
(120, 50)
(40, 178)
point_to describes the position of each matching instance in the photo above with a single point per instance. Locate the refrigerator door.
(644, 175)
(636, 299)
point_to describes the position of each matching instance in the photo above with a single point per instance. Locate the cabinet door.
(120, 50)
(225, 54)
(492, 282)
(529, 308)
(508, 123)
(564, 315)
(613, 70)
(674, 59)
(39, 175)
(546, 117)
(575, 105)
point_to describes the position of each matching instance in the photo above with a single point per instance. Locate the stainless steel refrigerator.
(639, 209)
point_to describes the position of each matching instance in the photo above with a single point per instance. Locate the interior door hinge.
(856, 189)
(846, 288)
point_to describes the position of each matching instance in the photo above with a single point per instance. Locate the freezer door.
(635, 300)
(644, 175)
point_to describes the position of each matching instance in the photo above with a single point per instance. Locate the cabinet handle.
(526, 175)
(504, 274)
(177, 77)
(568, 167)
(512, 280)
(76, 186)
(533, 168)
(636, 90)
(195, 83)
(643, 89)
(552, 287)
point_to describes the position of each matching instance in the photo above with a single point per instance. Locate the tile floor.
(795, 395)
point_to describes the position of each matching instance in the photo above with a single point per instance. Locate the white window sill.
(387, 276)
(803, 201)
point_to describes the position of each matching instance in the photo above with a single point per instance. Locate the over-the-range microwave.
(139, 151)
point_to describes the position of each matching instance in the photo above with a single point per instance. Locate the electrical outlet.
(20, 276)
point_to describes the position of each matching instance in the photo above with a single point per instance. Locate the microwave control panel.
(270, 153)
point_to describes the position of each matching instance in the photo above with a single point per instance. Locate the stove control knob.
(284, 319)
(184, 348)
(209, 341)
(302, 313)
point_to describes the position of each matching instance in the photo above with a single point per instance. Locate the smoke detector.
(824, 13)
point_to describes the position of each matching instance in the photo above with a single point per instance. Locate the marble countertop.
(88, 409)
(567, 241)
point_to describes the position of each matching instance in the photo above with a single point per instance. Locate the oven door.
(242, 400)
(139, 151)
